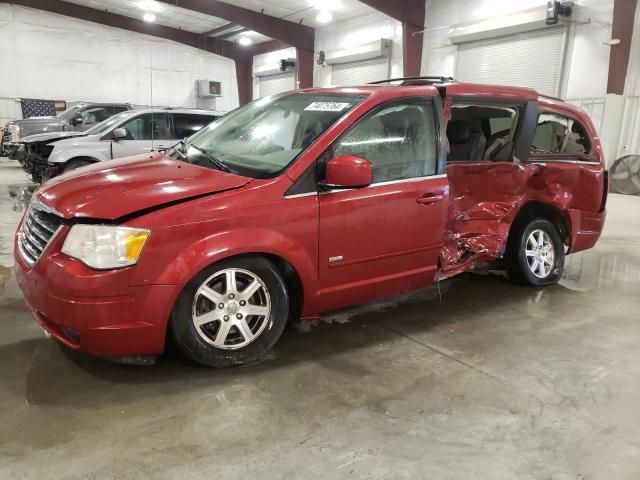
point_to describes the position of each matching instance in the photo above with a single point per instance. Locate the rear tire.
(535, 253)
(231, 313)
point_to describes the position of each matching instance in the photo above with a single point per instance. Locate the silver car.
(128, 133)
(80, 117)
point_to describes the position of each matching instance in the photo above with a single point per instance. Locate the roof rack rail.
(552, 98)
(416, 80)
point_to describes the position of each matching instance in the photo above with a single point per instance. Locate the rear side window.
(117, 109)
(399, 140)
(185, 125)
(560, 135)
(481, 132)
(147, 127)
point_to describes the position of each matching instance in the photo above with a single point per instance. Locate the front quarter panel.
(257, 219)
(66, 150)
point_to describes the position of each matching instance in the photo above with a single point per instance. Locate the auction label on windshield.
(327, 107)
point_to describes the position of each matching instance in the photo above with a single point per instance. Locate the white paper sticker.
(326, 107)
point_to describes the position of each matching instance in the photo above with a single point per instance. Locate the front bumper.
(95, 312)
(15, 151)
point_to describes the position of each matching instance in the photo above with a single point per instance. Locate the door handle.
(429, 198)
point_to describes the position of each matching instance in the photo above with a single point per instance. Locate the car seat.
(404, 155)
(466, 142)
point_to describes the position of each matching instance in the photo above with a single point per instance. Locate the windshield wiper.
(212, 159)
(181, 142)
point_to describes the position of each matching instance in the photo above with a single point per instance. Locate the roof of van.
(461, 90)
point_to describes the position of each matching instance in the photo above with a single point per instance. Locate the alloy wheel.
(540, 253)
(231, 308)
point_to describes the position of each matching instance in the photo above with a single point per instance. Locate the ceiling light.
(149, 17)
(149, 5)
(324, 16)
(245, 41)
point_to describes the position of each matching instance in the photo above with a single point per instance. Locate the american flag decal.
(34, 107)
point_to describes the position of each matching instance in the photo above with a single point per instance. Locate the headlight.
(18, 132)
(105, 246)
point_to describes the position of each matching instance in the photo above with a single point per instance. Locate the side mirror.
(76, 119)
(348, 171)
(120, 133)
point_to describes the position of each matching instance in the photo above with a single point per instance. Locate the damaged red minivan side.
(303, 203)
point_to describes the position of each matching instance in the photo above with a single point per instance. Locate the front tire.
(231, 313)
(73, 164)
(535, 254)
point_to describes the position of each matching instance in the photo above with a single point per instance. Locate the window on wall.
(479, 132)
(147, 127)
(560, 135)
(399, 140)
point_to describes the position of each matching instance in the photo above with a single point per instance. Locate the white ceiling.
(167, 15)
(304, 11)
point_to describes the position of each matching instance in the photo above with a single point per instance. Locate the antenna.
(151, 96)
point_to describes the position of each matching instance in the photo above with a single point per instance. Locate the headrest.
(458, 131)
(407, 118)
(394, 121)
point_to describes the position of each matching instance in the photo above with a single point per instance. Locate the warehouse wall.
(269, 60)
(587, 60)
(358, 31)
(50, 56)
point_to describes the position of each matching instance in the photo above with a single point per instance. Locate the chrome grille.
(38, 229)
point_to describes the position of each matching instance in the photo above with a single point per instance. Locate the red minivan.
(306, 202)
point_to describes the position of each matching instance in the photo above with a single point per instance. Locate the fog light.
(72, 334)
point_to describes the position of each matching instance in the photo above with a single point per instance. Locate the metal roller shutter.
(531, 59)
(359, 73)
(272, 84)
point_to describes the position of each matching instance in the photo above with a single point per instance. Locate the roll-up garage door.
(359, 73)
(531, 59)
(272, 84)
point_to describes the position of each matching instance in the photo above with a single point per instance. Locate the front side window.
(106, 124)
(264, 137)
(93, 115)
(70, 112)
(186, 124)
(560, 135)
(149, 126)
(399, 140)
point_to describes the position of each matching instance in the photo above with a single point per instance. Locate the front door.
(145, 133)
(385, 238)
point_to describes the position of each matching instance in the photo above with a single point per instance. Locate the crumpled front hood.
(50, 137)
(117, 188)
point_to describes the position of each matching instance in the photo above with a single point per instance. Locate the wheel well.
(294, 284)
(74, 159)
(533, 210)
(291, 278)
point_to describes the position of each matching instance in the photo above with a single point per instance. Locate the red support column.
(623, 17)
(244, 77)
(305, 59)
(411, 49)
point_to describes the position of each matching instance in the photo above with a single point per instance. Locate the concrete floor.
(479, 380)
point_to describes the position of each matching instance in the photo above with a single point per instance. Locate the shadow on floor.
(46, 373)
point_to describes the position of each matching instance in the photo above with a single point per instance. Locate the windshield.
(106, 124)
(70, 112)
(262, 138)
